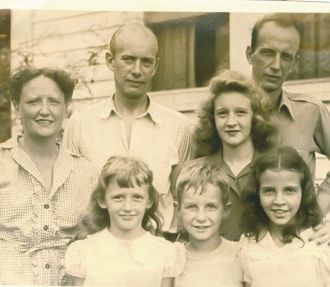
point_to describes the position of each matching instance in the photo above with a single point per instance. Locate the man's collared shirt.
(304, 124)
(160, 137)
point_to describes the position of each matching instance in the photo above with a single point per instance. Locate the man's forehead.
(130, 41)
(272, 33)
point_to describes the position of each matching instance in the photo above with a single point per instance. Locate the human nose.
(44, 109)
(279, 198)
(136, 68)
(231, 121)
(276, 61)
(128, 205)
(200, 216)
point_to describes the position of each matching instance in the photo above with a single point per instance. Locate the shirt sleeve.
(184, 151)
(235, 276)
(325, 265)
(185, 142)
(322, 139)
(175, 260)
(71, 134)
(74, 260)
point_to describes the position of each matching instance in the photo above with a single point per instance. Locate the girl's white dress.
(104, 260)
(296, 264)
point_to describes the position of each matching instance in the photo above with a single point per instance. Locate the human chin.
(135, 92)
(271, 84)
(46, 131)
(234, 141)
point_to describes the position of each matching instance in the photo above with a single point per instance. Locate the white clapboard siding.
(82, 22)
(77, 41)
(72, 59)
(97, 90)
(46, 15)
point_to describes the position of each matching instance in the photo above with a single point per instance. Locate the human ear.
(17, 110)
(109, 58)
(149, 204)
(156, 66)
(226, 209)
(249, 54)
(101, 203)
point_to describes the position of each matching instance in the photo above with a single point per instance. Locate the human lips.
(44, 122)
(127, 216)
(273, 77)
(279, 212)
(135, 83)
(201, 228)
(232, 132)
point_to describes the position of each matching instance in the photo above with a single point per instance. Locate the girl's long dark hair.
(255, 221)
(126, 172)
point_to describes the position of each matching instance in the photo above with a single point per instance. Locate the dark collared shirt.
(304, 124)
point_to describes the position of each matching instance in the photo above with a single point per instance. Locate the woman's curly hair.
(206, 136)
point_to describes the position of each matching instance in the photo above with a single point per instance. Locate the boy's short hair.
(198, 175)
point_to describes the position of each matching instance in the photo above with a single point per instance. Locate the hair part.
(23, 76)
(126, 172)
(281, 19)
(206, 137)
(254, 219)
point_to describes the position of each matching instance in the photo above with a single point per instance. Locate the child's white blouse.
(294, 264)
(103, 259)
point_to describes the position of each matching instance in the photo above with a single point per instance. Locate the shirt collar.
(286, 101)
(140, 248)
(63, 165)
(9, 144)
(152, 110)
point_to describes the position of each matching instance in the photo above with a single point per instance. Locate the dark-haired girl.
(279, 216)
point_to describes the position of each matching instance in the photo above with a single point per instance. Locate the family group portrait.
(164, 149)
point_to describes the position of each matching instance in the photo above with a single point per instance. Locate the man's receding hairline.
(135, 27)
(278, 19)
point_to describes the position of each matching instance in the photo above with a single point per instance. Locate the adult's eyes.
(127, 60)
(267, 52)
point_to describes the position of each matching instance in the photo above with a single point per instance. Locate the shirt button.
(46, 227)
(47, 266)
(46, 206)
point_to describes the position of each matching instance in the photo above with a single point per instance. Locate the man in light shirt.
(130, 122)
(304, 123)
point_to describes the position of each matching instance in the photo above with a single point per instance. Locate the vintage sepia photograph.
(164, 146)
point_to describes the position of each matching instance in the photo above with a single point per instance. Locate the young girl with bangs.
(120, 249)
(278, 219)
